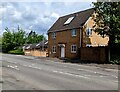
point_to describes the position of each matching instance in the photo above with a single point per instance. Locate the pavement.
(32, 73)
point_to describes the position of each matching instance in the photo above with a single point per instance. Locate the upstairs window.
(69, 20)
(73, 48)
(89, 32)
(53, 49)
(53, 35)
(74, 32)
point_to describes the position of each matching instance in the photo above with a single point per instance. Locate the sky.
(38, 16)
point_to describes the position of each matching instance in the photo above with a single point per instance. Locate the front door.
(62, 52)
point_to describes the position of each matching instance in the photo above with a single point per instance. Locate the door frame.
(62, 54)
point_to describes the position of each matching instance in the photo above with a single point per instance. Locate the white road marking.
(32, 66)
(29, 66)
(13, 67)
(16, 66)
(70, 74)
(87, 67)
(25, 65)
(12, 62)
(98, 73)
(116, 81)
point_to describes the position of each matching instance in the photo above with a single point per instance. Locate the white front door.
(62, 52)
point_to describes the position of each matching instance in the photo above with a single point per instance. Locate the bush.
(115, 59)
(17, 51)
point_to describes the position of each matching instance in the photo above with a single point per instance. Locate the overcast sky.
(38, 16)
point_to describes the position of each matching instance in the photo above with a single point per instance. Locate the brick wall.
(36, 52)
(95, 39)
(66, 38)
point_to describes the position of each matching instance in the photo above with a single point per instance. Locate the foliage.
(107, 23)
(17, 51)
(0, 40)
(34, 38)
(12, 39)
(108, 20)
(0, 44)
(115, 59)
(7, 41)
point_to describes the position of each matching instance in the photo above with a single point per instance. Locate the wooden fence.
(94, 54)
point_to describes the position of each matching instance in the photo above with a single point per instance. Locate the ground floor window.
(73, 48)
(88, 45)
(53, 49)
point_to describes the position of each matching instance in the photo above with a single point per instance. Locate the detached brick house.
(72, 32)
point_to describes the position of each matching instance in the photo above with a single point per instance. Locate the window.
(54, 49)
(73, 48)
(88, 45)
(53, 35)
(69, 20)
(74, 32)
(89, 32)
(101, 45)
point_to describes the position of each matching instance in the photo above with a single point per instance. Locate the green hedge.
(115, 59)
(18, 52)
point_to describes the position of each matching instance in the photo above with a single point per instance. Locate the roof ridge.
(76, 12)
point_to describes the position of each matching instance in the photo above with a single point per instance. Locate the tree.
(18, 37)
(0, 44)
(108, 20)
(34, 38)
(12, 39)
(7, 40)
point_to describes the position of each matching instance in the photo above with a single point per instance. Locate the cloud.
(55, 15)
(38, 16)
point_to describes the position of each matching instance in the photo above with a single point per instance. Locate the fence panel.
(94, 54)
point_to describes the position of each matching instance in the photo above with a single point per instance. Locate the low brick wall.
(94, 54)
(36, 52)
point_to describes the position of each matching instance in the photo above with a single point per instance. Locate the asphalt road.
(30, 73)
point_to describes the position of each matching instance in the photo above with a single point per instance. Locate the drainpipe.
(80, 45)
(80, 37)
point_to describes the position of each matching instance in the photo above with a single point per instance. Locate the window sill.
(89, 35)
(74, 35)
(74, 52)
(53, 38)
(53, 52)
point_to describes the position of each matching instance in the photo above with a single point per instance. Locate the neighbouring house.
(38, 49)
(72, 32)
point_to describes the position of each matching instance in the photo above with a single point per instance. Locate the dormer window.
(74, 32)
(54, 35)
(89, 32)
(69, 20)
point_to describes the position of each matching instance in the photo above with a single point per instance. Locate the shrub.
(17, 51)
(115, 59)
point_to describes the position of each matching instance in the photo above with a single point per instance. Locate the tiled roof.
(37, 45)
(78, 21)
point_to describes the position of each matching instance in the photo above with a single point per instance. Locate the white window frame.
(73, 50)
(53, 49)
(68, 21)
(74, 31)
(53, 35)
(89, 31)
(88, 45)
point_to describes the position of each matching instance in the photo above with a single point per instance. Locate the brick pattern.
(66, 38)
(63, 37)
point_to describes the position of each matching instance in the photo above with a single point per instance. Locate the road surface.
(31, 73)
